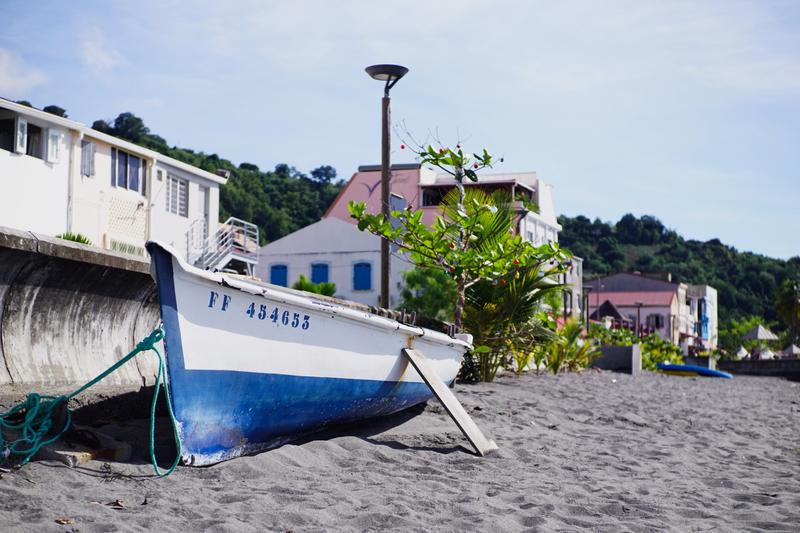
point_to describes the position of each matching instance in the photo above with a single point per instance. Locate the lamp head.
(391, 74)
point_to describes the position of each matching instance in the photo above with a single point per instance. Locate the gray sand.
(598, 451)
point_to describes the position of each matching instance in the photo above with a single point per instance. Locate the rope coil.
(35, 418)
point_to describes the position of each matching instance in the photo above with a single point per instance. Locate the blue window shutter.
(319, 273)
(113, 167)
(279, 275)
(362, 277)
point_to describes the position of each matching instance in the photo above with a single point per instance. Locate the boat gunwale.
(284, 295)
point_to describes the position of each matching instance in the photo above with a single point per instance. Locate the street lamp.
(391, 74)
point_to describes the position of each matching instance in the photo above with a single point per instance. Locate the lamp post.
(391, 74)
(639, 319)
(586, 290)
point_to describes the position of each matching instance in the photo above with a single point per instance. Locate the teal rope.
(34, 418)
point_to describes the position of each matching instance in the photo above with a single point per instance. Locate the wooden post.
(451, 404)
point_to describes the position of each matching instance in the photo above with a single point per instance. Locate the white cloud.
(15, 77)
(97, 55)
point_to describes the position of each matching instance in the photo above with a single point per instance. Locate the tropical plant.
(325, 288)
(526, 343)
(568, 350)
(75, 237)
(501, 317)
(428, 292)
(472, 241)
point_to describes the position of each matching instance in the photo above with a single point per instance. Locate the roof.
(761, 333)
(791, 350)
(630, 298)
(328, 235)
(398, 166)
(110, 139)
(607, 309)
(626, 281)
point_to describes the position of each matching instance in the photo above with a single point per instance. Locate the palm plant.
(501, 316)
(569, 351)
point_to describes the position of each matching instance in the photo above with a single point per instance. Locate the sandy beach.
(597, 451)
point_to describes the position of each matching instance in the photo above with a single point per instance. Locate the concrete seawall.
(69, 311)
(785, 368)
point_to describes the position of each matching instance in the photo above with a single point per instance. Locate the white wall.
(169, 227)
(340, 245)
(105, 213)
(33, 192)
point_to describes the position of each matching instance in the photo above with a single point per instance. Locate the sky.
(685, 110)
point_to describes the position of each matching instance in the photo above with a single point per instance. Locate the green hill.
(746, 282)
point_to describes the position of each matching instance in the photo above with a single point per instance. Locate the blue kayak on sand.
(692, 370)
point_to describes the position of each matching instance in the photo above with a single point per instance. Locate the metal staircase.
(234, 241)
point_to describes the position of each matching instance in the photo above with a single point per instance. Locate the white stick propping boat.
(251, 366)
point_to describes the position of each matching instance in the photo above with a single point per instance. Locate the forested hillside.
(279, 201)
(746, 282)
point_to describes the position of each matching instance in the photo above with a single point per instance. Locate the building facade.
(60, 176)
(412, 186)
(684, 314)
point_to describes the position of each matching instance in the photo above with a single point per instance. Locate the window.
(177, 196)
(21, 142)
(319, 272)
(655, 321)
(127, 171)
(133, 173)
(279, 275)
(54, 138)
(7, 134)
(87, 158)
(33, 142)
(396, 203)
(362, 277)
(433, 196)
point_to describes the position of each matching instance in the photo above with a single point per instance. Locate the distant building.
(60, 176)
(350, 254)
(684, 314)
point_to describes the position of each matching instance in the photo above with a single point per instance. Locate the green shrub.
(303, 284)
(654, 349)
(429, 292)
(75, 237)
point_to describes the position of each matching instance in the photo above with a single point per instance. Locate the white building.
(331, 250)
(352, 254)
(60, 176)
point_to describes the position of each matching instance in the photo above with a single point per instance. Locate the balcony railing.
(235, 240)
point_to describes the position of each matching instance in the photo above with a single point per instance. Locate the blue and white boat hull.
(251, 366)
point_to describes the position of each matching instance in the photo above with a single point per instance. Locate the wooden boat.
(251, 366)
